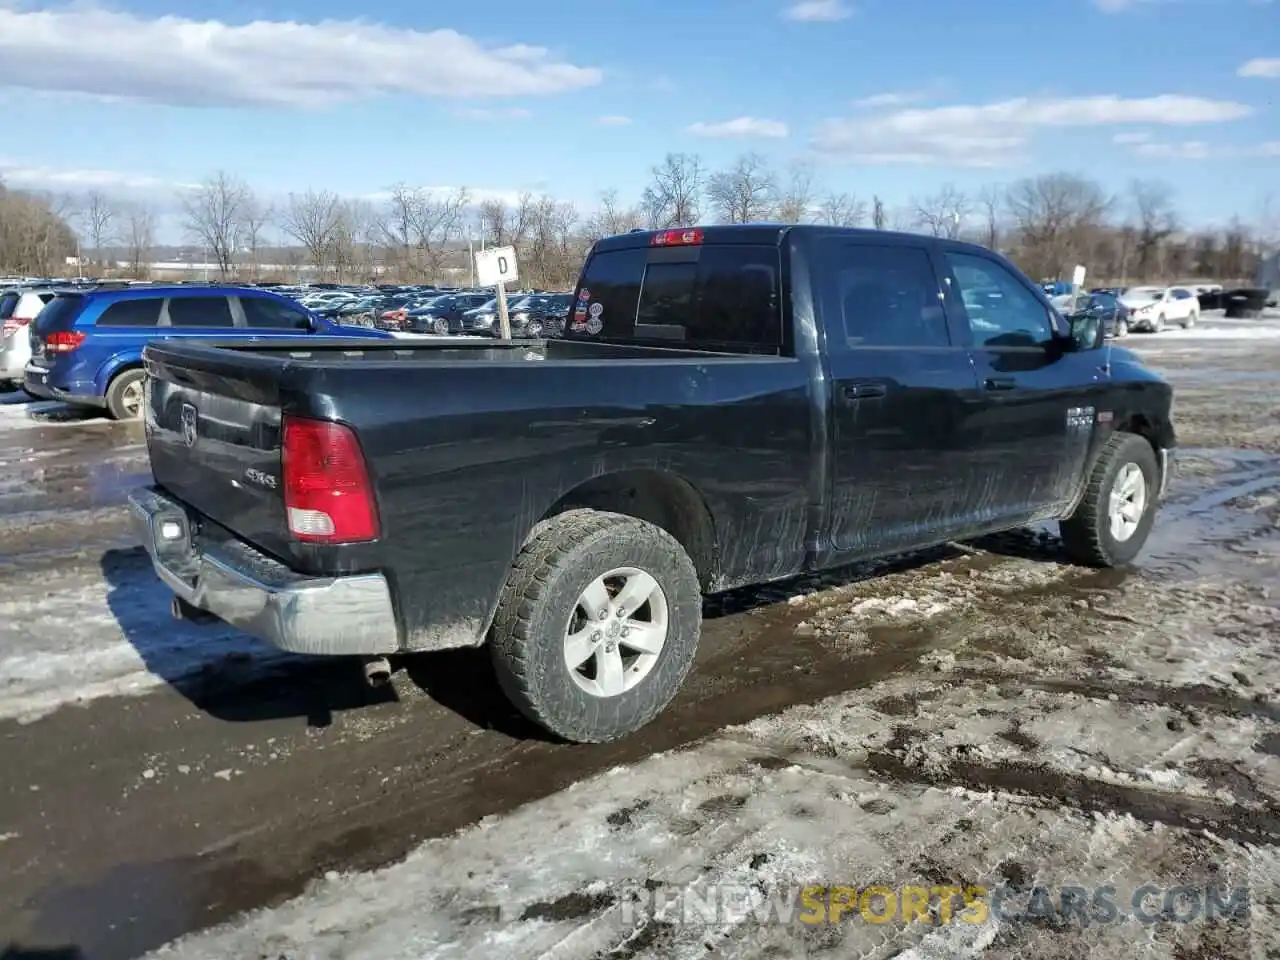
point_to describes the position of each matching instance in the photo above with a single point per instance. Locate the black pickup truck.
(727, 406)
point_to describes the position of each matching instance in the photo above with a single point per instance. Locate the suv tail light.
(63, 342)
(327, 494)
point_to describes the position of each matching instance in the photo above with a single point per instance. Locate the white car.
(17, 309)
(1150, 308)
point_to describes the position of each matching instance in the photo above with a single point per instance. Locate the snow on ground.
(1058, 727)
(887, 785)
(99, 629)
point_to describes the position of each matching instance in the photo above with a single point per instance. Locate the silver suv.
(18, 307)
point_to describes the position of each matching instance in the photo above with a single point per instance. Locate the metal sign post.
(495, 268)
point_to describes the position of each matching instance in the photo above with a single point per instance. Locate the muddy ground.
(975, 712)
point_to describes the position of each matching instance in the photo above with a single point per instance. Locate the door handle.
(863, 391)
(1000, 383)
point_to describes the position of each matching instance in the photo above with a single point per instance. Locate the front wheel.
(1114, 518)
(124, 396)
(597, 626)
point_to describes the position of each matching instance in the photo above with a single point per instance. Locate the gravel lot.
(982, 715)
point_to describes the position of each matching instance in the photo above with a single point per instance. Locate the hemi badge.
(1104, 416)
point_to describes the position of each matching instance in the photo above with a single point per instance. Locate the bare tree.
(313, 219)
(98, 213)
(611, 218)
(745, 192)
(139, 238)
(674, 197)
(34, 236)
(1157, 219)
(878, 216)
(255, 215)
(212, 214)
(842, 210)
(495, 223)
(942, 213)
(796, 197)
(1054, 214)
(990, 201)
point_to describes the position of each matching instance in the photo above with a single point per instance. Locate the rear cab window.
(724, 297)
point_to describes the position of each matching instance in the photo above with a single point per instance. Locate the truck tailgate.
(213, 432)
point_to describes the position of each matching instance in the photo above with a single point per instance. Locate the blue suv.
(86, 347)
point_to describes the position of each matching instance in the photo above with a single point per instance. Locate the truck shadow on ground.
(235, 678)
(222, 671)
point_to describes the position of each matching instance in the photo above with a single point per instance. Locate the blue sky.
(570, 97)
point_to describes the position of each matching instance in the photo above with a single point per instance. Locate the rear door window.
(723, 297)
(132, 313)
(888, 296)
(263, 314)
(200, 312)
(59, 314)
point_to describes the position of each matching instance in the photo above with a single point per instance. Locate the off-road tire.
(116, 392)
(526, 641)
(1086, 534)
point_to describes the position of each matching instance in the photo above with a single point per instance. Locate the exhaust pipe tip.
(377, 671)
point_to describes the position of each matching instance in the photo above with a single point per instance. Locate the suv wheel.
(124, 396)
(597, 625)
(1112, 521)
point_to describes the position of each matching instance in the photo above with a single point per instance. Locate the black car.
(444, 314)
(1113, 314)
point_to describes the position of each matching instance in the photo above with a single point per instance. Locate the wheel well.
(115, 374)
(662, 499)
(1146, 427)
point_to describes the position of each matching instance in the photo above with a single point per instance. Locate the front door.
(1041, 399)
(903, 399)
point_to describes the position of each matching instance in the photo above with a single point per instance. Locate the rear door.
(904, 399)
(206, 317)
(1039, 401)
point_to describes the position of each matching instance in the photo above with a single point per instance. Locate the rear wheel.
(597, 625)
(124, 396)
(1158, 326)
(1122, 327)
(1114, 518)
(1190, 321)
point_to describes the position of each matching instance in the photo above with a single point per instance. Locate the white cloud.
(995, 134)
(614, 120)
(1132, 136)
(818, 11)
(740, 127)
(893, 99)
(172, 60)
(1202, 150)
(36, 177)
(1269, 68)
(500, 113)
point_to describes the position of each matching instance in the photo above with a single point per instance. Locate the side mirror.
(1087, 331)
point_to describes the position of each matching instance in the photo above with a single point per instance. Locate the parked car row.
(1133, 309)
(82, 344)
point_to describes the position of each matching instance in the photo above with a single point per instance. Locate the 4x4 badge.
(190, 420)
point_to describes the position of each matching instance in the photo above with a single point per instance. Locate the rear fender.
(113, 365)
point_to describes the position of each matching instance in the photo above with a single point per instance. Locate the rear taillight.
(327, 494)
(13, 323)
(63, 342)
